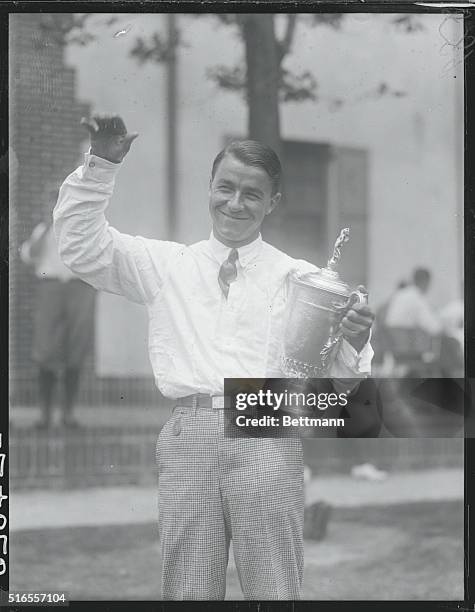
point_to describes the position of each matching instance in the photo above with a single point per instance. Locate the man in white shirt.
(409, 308)
(216, 310)
(63, 323)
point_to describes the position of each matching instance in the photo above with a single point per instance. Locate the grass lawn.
(407, 551)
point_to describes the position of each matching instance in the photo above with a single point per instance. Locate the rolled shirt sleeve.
(97, 253)
(350, 365)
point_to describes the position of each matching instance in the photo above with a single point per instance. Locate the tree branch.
(285, 44)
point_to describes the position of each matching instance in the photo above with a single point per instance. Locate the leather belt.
(202, 400)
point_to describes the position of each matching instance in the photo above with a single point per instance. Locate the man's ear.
(274, 201)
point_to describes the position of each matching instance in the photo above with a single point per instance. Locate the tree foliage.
(293, 86)
(83, 28)
(66, 28)
(263, 76)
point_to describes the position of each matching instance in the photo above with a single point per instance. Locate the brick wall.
(46, 144)
(45, 138)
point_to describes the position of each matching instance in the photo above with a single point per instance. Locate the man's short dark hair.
(253, 153)
(421, 276)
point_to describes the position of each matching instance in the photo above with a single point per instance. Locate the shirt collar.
(247, 253)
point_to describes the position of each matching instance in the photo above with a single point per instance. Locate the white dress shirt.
(409, 308)
(196, 337)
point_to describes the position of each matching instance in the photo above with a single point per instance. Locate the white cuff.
(99, 170)
(359, 363)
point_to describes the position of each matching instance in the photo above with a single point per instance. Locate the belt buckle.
(217, 401)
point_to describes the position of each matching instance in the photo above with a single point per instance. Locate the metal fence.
(89, 457)
(105, 456)
(326, 456)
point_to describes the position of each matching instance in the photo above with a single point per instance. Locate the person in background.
(452, 343)
(380, 340)
(409, 306)
(452, 318)
(63, 322)
(413, 328)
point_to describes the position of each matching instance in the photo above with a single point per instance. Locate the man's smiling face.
(240, 197)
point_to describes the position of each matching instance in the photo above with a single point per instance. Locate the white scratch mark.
(470, 4)
(124, 31)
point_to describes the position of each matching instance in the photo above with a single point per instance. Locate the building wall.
(45, 140)
(414, 142)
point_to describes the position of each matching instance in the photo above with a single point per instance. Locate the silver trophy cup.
(317, 303)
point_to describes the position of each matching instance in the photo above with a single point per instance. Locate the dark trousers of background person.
(63, 336)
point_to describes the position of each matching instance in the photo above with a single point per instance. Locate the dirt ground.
(401, 551)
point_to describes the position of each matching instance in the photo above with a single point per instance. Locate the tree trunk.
(263, 70)
(171, 127)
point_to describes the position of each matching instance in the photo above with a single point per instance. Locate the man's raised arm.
(97, 253)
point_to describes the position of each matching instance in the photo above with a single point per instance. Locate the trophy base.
(293, 368)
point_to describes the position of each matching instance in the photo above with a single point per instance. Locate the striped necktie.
(228, 272)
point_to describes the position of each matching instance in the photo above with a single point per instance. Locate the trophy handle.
(361, 296)
(356, 296)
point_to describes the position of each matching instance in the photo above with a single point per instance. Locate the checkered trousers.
(213, 489)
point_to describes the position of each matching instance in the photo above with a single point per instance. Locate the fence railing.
(326, 456)
(89, 457)
(105, 456)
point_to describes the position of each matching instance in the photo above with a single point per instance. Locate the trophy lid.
(324, 279)
(328, 278)
(335, 258)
